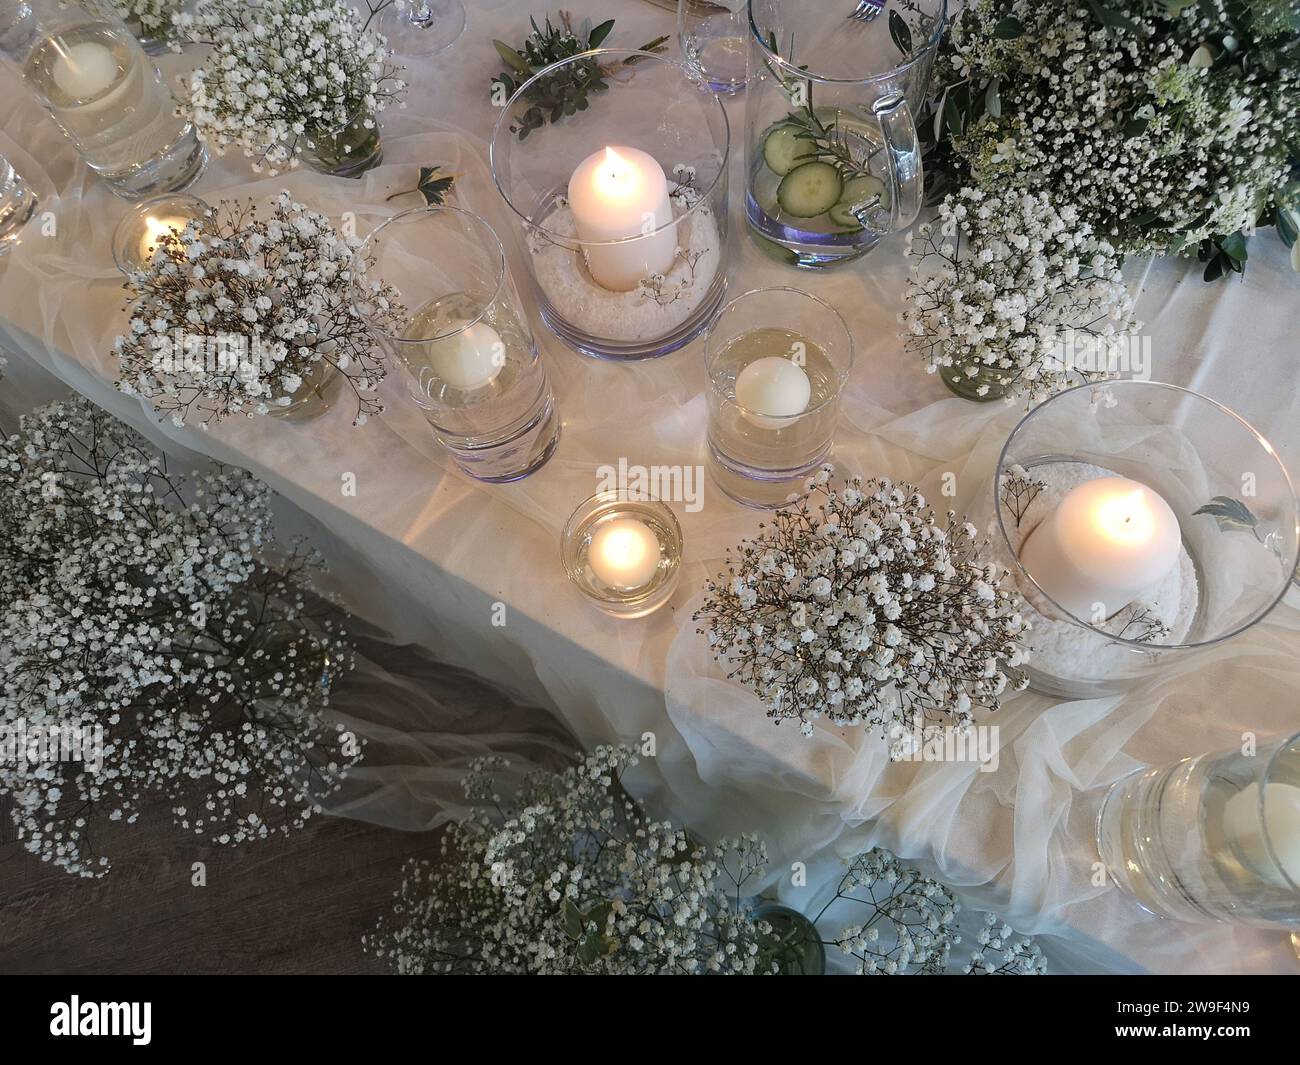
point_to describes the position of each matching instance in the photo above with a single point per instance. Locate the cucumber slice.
(782, 149)
(810, 190)
(857, 191)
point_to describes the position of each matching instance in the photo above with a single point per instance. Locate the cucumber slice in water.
(782, 149)
(810, 190)
(858, 191)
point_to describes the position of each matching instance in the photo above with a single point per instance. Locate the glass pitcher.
(831, 153)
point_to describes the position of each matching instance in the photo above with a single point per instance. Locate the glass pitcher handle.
(904, 153)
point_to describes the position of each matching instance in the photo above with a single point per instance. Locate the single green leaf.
(600, 33)
(512, 58)
(1109, 18)
(1229, 513)
(1215, 270)
(900, 32)
(1234, 247)
(1008, 29)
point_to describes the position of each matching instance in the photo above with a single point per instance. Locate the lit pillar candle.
(1281, 823)
(1107, 541)
(624, 553)
(470, 359)
(618, 193)
(773, 391)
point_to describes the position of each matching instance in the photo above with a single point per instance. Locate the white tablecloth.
(426, 554)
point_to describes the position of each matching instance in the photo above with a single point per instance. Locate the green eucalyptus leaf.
(900, 32)
(1009, 29)
(1234, 247)
(600, 33)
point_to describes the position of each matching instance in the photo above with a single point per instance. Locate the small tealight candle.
(773, 391)
(1241, 826)
(624, 553)
(616, 194)
(472, 358)
(1109, 540)
(141, 230)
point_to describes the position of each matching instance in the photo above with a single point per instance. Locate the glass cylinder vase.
(777, 360)
(348, 150)
(18, 203)
(1141, 522)
(622, 199)
(90, 73)
(463, 340)
(1211, 838)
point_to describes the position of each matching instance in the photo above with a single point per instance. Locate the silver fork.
(867, 10)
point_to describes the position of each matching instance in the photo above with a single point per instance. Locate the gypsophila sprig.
(570, 875)
(1016, 296)
(163, 612)
(910, 927)
(859, 605)
(281, 73)
(152, 16)
(1169, 124)
(240, 314)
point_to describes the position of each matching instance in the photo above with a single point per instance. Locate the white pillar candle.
(84, 70)
(773, 391)
(470, 359)
(1108, 541)
(618, 193)
(624, 553)
(1245, 833)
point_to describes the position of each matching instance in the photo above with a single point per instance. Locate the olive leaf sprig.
(564, 92)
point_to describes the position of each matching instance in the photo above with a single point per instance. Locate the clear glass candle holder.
(464, 342)
(139, 234)
(623, 203)
(832, 156)
(91, 74)
(1236, 538)
(777, 360)
(1211, 838)
(18, 203)
(623, 554)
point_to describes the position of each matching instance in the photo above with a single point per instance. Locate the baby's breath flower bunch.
(281, 72)
(569, 875)
(1012, 294)
(1169, 124)
(161, 611)
(240, 314)
(866, 609)
(154, 17)
(911, 925)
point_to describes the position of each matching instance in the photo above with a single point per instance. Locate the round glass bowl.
(624, 555)
(1236, 510)
(777, 360)
(623, 204)
(137, 235)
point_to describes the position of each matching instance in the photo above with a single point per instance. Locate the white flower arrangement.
(1025, 301)
(282, 73)
(570, 875)
(240, 314)
(160, 612)
(867, 610)
(1170, 124)
(152, 16)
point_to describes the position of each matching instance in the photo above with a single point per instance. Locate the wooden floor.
(290, 905)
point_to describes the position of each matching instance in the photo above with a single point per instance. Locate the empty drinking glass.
(463, 340)
(712, 35)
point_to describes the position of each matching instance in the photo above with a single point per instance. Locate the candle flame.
(623, 548)
(618, 176)
(1126, 517)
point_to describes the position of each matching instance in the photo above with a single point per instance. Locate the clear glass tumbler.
(712, 35)
(464, 341)
(777, 361)
(90, 73)
(832, 159)
(1211, 838)
(17, 205)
